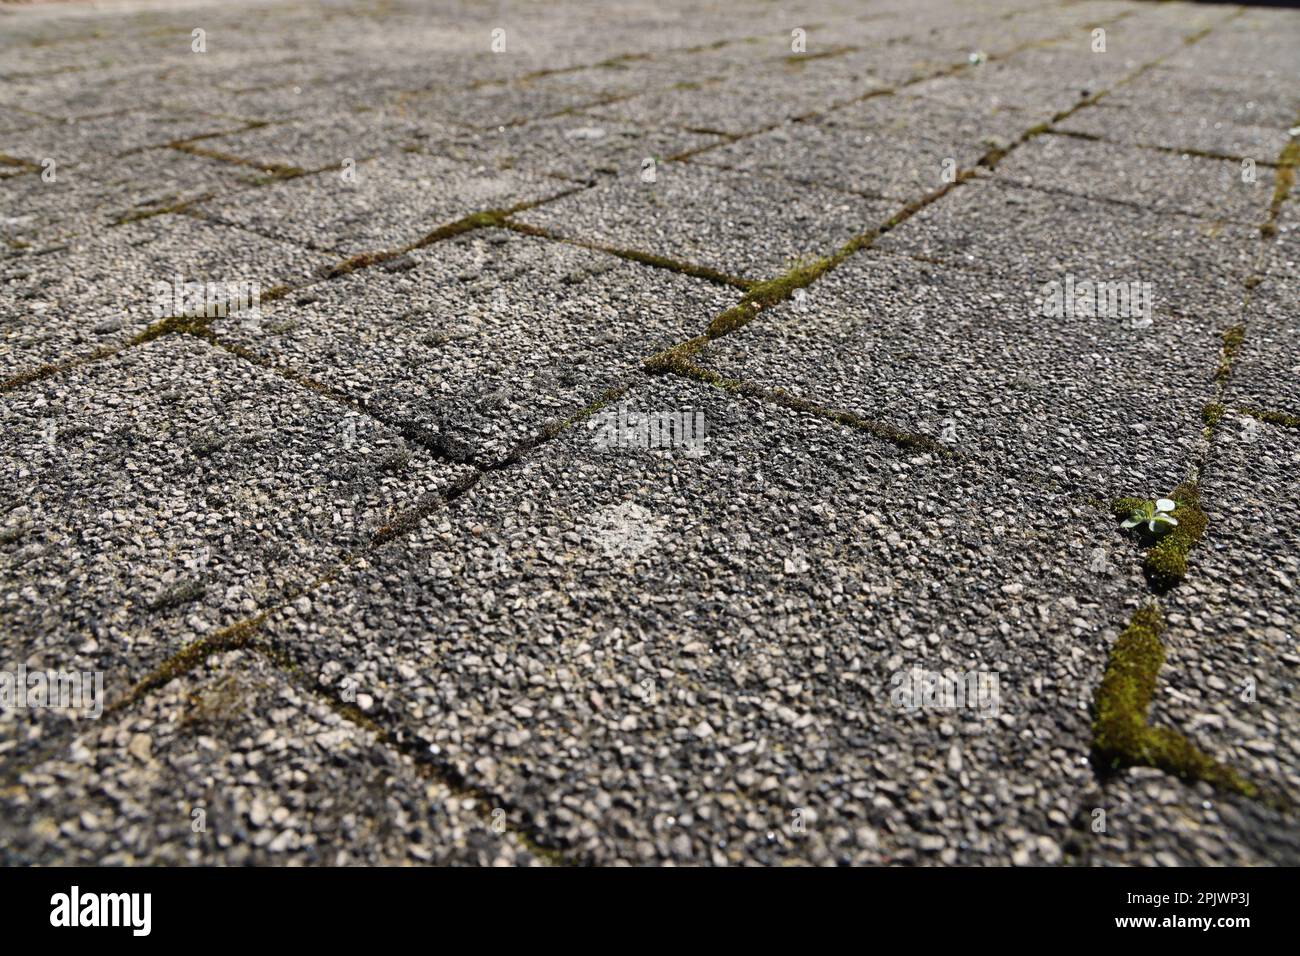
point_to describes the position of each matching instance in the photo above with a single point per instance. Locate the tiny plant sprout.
(1157, 515)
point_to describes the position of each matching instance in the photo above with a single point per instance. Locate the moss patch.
(16, 163)
(1285, 419)
(1121, 734)
(1166, 559)
(1232, 342)
(362, 260)
(237, 635)
(1283, 181)
(633, 255)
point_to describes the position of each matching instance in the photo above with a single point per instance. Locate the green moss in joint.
(237, 635)
(1166, 559)
(1232, 341)
(1285, 419)
(174, 325)
(1121, 734)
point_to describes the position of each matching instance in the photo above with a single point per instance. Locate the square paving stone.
(14, 119)
(1231, 678)
(655, 656)
(870, 62)
(1259, 101)
(172, 490)
(973, 362)
(493, 105)
(392, 201)
(100, 289)
(741, 105)
(1005, 83)
(1164, 181)
(893, 146)
(486, 338)
(234, 765)
(1282, 256)
(83, 94)
(319, 140)
(1019, 33)
(741, 224)
(1221, 55)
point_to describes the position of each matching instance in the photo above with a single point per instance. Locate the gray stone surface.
(1230, 680)
(577, 147)
(1266, 374)
(971, 361)
(1154, 820)
(894, 146)
(999, 228)
(234, 765)
(92, 197)
(1281, 259)
(363, 578)
(318, 139)
(1035, 82)
(505, 104)
(665, 658)
(1184, 108)
(1167, 182)
(742, 104)
(99, 140)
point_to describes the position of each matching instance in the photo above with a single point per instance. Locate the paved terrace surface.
(371, 573)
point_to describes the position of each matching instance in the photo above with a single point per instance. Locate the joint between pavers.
(22, 165)
(682, 366)
(634, 255)
(952, 68)
(50, 369)
(422, 761)
(772, 291)
(1122, 733)
(1162, 148)
(1283, 183)
(174, 324)
(434, 443)
(274, 170)
(1053, 189)
(1270, 416)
